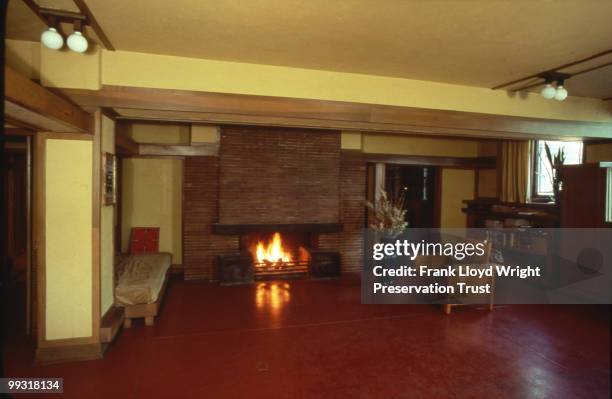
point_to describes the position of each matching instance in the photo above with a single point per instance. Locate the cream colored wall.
(152, 197)
(598, 152)
(24, 57)
(457, 185)
(416, 145)
(107, 227)
(487, 183)
(68, 232)
(158, 133)
(68, 69)
(124, 68)
(205, 134)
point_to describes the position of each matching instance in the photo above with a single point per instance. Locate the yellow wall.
(68, 231)
(599, 152)
(124, 68)
(152, 197)
(487, 183)
(457, 185)
(414, 145)
(350, 140)
(205, 134)
(24, 57)
(107, 228)
(158, 133)
(68, 69)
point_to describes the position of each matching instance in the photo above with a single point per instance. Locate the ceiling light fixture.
(561, 92)
(548, 91)
(51, 38)
(77, 42)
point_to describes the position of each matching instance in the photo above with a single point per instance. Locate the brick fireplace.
(294, 182)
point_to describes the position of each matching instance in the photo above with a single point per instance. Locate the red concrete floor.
(313, 339)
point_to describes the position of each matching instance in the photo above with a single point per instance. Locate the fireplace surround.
(266, 180)
(277, 251)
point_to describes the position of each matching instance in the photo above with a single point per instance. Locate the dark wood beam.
(124, 144)
(179, 150)
(38, 107)
(569, 64)
(91, 20)
(17, 131)
(457, 162)
(220, 108)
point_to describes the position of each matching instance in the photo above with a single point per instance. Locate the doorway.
(418, 186)
(18, 274)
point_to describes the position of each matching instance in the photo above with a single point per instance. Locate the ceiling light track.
(54, 36)
(555, 70)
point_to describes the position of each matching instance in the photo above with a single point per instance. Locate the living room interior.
(187, 190)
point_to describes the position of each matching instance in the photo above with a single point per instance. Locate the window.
(542, 171)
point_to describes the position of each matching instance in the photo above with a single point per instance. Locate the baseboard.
(68, 353)
(111, 324)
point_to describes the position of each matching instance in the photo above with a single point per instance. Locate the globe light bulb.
(51, 39)
(561, 93)
(77, 42)
(548, 91)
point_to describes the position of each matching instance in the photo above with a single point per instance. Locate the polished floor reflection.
(313, 339)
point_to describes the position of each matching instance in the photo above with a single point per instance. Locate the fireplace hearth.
(278, 255)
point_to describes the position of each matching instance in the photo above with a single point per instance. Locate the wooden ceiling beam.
(91, 21)
(205, 107)
(32, 105)
(569, 64)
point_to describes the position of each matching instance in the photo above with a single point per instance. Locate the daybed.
(141, 282)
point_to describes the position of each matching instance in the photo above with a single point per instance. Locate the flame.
(273, 252)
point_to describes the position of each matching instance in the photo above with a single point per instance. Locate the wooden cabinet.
(583, 197)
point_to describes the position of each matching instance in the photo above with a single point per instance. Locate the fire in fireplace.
(274, 256)
(276, 252)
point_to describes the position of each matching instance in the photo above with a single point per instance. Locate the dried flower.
(389, 214)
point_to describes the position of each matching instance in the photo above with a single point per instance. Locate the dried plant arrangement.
(389, 214)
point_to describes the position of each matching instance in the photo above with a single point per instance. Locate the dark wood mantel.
(237, 229)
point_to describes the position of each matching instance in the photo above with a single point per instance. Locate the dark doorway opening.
(418, 185)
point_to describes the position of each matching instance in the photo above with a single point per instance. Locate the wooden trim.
(236, 229)
(17, 131)
(68, 136)
(463, 162)
(123, 144)
(97, 183)
(179, 150)
(91, 20)
(438, 198)
(38, 228)
(196, 106)
(68, 353)
(26, 98)
(111, 323)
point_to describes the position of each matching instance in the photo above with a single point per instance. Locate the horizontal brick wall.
(200, 200)
(279, 175)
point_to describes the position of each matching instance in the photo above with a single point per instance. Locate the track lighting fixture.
(549, 91)
(52, 39)
(76, 41)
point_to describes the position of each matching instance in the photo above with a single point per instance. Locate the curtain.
(515, 165)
